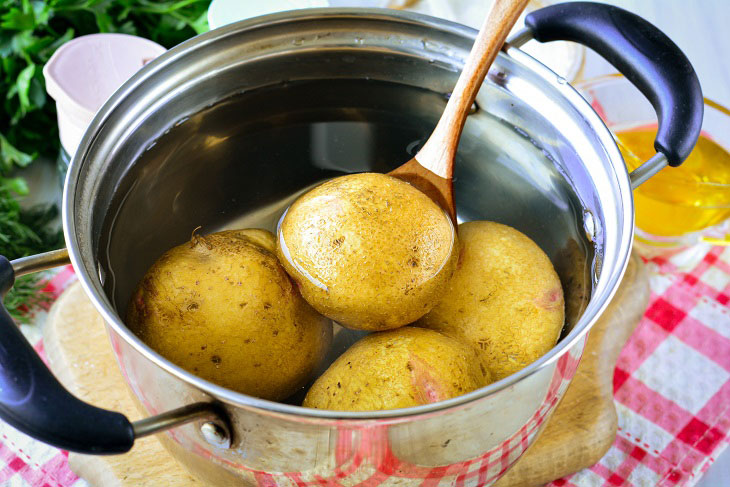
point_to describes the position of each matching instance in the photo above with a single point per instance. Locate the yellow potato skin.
(222, 307)
(398, 369)
(505, 298)
(368, 250)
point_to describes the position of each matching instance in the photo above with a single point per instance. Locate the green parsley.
(30, 32)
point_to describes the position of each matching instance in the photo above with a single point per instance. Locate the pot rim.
(608, 280)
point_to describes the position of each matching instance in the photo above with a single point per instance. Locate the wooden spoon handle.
(438, 152)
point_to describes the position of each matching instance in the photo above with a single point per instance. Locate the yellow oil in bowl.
(684, 199)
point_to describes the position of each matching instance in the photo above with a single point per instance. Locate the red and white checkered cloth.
(672, 379)
(25, 462)
(671, 385)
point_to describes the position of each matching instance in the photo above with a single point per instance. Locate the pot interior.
(241, 162)
(231, 144)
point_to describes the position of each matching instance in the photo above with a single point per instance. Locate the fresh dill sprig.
(23, 233)
(25, 295)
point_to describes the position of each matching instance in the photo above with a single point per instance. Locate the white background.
(701, 28)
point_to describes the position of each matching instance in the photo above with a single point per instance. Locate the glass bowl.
(681, 206)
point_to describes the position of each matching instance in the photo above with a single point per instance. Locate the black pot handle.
(34, 402)
(642, 53)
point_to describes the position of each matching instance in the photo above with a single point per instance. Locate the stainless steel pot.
(224, 129)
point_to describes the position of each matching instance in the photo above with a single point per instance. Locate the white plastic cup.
(84, 72)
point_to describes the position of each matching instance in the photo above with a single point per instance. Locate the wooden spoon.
(431, 170)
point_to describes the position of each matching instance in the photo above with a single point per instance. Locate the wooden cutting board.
(576, 436)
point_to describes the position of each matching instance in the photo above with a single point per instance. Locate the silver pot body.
(206, 135)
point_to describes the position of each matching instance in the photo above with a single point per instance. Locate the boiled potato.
(398, 369)
(222, 307)
(505, 298)
(368, 250)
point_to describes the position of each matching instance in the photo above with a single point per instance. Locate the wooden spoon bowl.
(432, 168)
